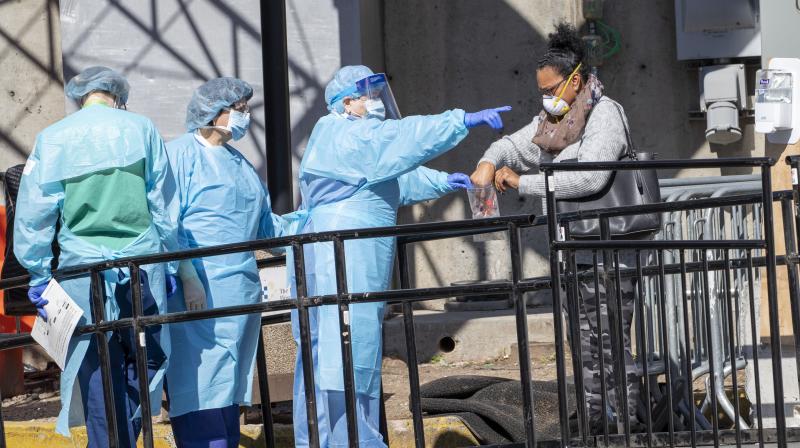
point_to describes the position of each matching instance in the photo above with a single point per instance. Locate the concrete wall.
(476, 54)
(31, 95)
(167, 49)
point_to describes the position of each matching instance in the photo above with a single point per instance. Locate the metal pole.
(573, 327)
(641, 348)
(411, 349)
(383, 425)
(687, 352)
(305, 344)
(263, 390)
(711, 367)
(791, 269)
(346, 343)
(623, 415)
(555, 278)
(601, 359)
(614, 307)
(523, 344)
(98, 316)
(666, 345)
(276, 104)
(141, 357)
(754, 345)
(772, 299)
(732, 347)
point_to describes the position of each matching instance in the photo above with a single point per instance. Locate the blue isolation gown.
(356, 174)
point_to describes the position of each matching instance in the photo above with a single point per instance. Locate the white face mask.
(375, 109)
(555, 106)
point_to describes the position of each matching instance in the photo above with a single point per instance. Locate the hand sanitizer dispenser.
(778, 101)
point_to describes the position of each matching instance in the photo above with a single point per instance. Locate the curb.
(442, 432)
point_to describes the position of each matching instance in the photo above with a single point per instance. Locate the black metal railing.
(685, 425)
(564, 273)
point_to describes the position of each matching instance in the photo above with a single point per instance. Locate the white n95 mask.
(555, 106)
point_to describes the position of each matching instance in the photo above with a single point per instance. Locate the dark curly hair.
(565, 50)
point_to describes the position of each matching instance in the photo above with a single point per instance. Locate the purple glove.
(489, 117)
(172, 285)
(458, 180)
(35, 296)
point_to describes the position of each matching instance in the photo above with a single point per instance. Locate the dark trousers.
(591, 349)
(208, 428)
(124, 377)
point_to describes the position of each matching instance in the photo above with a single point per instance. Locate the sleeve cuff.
(37, 280)
(532, 185)
(488, 160)
(444, 186)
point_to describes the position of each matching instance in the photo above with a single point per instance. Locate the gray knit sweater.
(603, 139)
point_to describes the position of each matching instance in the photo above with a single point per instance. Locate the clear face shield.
(379, 98)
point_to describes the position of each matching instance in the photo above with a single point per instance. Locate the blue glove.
(172, 285)
(458, 180)
(35, 296)
(489, 117)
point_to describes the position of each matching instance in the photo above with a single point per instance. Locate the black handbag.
(624, 188)
(16, 300)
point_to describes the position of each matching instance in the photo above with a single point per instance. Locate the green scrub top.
(108, 208)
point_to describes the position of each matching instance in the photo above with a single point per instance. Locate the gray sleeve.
(516, 151)
(604, 139)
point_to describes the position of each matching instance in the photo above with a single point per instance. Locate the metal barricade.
(723, 257)
(707, 261)
(736, 222)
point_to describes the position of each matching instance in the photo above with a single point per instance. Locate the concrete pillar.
(31, 95)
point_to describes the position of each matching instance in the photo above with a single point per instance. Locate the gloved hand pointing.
(35, 296)
(458, 180)
(489, 117)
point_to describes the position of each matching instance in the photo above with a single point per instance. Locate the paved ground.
(45, 406)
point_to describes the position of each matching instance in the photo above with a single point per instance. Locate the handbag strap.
(631, 152)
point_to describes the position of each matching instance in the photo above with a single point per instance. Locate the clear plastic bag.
(483, 203)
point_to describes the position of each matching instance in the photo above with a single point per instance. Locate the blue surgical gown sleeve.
(163, 197)
(422, 184)
(372, 151)
(35, 220)
(270, 224)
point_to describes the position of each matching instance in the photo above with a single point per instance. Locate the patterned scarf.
(553, 136)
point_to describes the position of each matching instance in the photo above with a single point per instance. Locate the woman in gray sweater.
(577, 122)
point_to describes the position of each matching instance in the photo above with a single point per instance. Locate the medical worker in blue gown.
(102, 173)
(361, 164)
(222, 200)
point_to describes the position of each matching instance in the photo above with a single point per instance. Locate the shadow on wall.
(167, 49)
(477, 54)
(30, 54)
(469, 55)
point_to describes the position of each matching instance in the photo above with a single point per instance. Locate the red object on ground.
(12, 381)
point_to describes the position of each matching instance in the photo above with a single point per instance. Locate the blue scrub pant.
(124, 378)
(208, 428)
(331, 408)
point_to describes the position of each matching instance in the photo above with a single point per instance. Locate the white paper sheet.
(63, 315)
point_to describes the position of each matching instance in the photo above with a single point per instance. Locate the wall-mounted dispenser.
(722, 96)
(778, 101)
